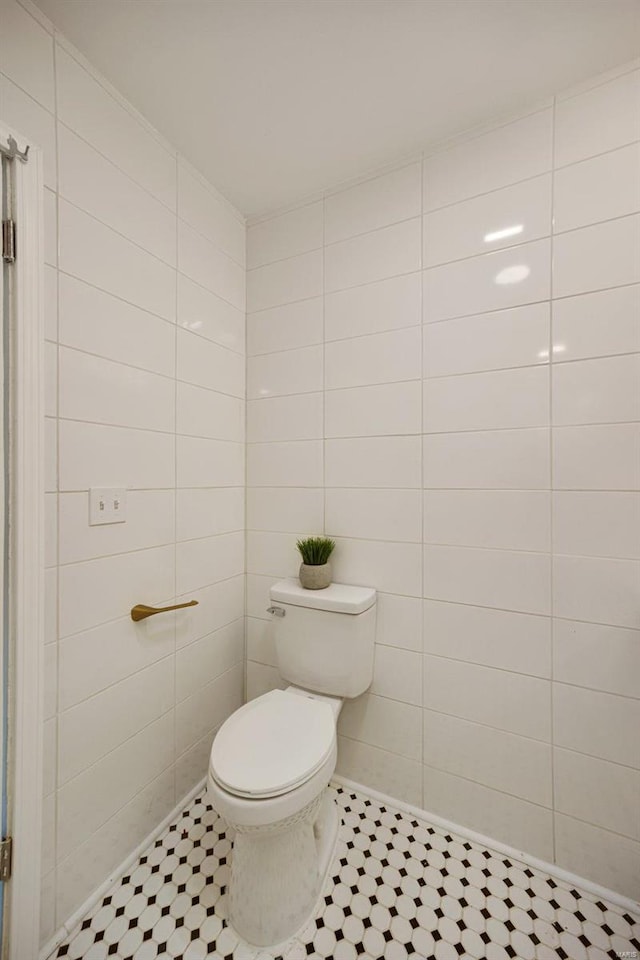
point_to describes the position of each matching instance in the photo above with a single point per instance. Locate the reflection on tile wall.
(145, 327)
(444, 375)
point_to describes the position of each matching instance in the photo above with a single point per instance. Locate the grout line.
(120, 619)
(494, 251)
(462, 316)
(594, 156)
(481, 783)
(630, 215)
(463, 431)
(394, 488)
(155, 373)
(506, 731)
(422, 786)
(522, 799)
(335, 340)
(173, 212)
(118, 233)
(149, 193)
(287, 303)
(478, 254)
(538, 238)
(552, 557)
(324, 369)
(158, 546)
(70, 492)
(56, 757)
(51, 113)
(174, 757)
(164, 263)
(206, 637)
(291, 256)
(149, 430)
(153, 430)
(114, 296)
(476, 606)
(245, 677)
(429, 152)
(510, 185)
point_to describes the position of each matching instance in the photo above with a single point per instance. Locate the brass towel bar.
(141, 611)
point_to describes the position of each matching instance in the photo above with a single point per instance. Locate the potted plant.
(315, 569)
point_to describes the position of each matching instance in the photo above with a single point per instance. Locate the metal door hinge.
(6, 848)
(8, 241)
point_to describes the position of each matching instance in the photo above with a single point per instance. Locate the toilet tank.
(325, 638)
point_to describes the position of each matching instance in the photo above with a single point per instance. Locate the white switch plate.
(107, 505)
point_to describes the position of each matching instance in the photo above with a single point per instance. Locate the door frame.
(26, 639)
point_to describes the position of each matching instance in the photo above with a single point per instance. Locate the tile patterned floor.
(398, 888)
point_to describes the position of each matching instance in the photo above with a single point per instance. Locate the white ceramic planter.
(315, 577)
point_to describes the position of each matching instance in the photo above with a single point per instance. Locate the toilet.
(272, 760)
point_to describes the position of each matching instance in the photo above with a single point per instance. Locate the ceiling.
(276, 100)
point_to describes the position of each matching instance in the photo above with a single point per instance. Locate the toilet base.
(277, 871)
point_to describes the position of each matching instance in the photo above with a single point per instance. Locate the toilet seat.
(272, 745)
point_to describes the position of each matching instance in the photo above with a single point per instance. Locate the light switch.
(107, 505)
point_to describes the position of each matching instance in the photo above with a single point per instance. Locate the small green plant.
(315, 550)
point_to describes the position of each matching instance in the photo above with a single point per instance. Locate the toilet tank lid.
(338, 597)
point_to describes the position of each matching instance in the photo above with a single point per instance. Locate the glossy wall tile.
(145, 388)
(513, 406)
(442, 374)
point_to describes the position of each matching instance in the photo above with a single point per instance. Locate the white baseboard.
(551, 868)
(63, 932)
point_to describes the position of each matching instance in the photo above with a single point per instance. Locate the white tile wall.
(98, 255)
(372, 204)
(602, 188)
(285, 236)
(121, 204)
(488, 459)
(597, 257)
(399, 342)
(379, 358)
(287, 372)
(373, 462)
(98, 323)
(143, 242)
(374, 307)
(387, 252)
(579, 330)
(508, 519)
(293, 417)
(492, 341)
(487, 401)
(508, 592)
(285, 328)
(285, 281)
(505, 155)
(502, 218)
(600, 120)
(209, 315)
(577, 660)
(491, 281)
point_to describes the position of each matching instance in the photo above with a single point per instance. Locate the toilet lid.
(272, 744)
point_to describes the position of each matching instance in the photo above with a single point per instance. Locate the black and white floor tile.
(398, 888)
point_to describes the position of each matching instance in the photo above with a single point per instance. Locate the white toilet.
(272, 760)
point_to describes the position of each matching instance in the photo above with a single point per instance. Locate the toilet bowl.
(271, 763)
(272, 760)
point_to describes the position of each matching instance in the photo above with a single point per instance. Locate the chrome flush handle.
(276, 611)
